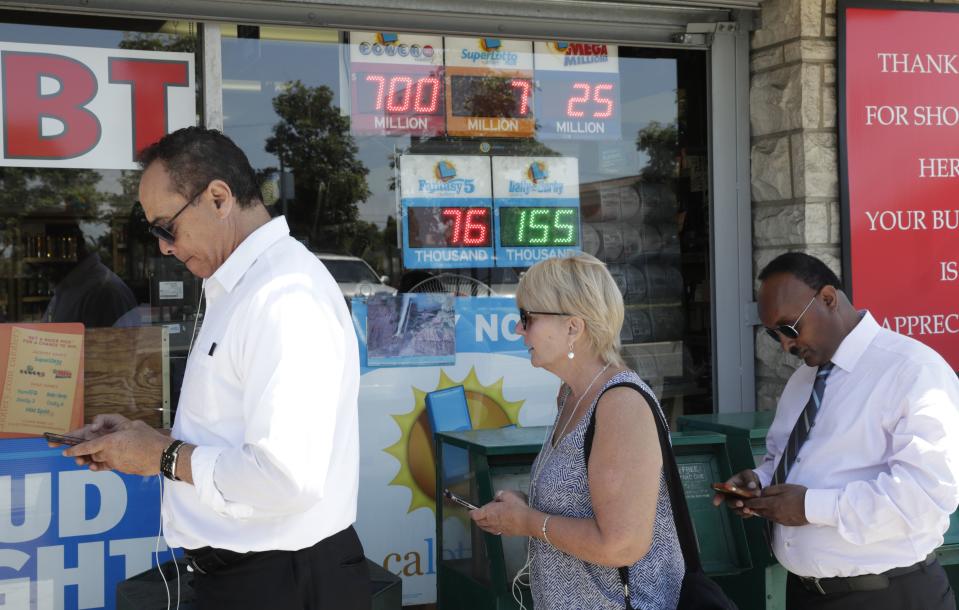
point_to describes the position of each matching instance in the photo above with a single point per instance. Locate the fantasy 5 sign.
(69, 535)
(89, 108)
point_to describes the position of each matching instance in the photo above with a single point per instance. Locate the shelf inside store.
(44, 259)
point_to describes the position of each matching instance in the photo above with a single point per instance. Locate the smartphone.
(731, 490)
(452, 497)
(63, 439)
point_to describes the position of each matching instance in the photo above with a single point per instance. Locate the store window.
(330, 117)
(447, 165)
(92, 318)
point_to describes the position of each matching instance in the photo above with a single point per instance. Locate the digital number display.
(491, 96)
(580, 105)
(397, 99)
(449, 227)
(394, 93)
(539, 226)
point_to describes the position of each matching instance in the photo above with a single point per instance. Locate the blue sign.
(69, 535)
(482, 324)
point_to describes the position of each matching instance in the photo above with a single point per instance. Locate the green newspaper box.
(475, 570)
(764, 586)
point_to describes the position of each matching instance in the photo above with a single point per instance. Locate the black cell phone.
(63, 439)
(452, 497)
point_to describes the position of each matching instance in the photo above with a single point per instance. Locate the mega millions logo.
(578, 53)
(488, 408)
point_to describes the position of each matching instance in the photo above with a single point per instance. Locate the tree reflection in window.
(312, 140)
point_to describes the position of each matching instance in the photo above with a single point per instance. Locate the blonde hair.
(579, 285)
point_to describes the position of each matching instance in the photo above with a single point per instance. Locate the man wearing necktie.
(862, 466)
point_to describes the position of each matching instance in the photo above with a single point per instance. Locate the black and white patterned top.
(563, 582)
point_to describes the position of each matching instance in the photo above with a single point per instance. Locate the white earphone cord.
(156, 550)
(156, 554)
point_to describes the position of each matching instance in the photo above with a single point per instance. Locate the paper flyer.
(42, 382)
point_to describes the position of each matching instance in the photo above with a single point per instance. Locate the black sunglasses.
(524, 316)
(789, 330)
(164, 231)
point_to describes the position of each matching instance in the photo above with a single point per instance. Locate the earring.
(570, 355)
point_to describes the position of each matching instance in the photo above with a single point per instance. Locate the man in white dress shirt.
(862, 466)
(263, 457)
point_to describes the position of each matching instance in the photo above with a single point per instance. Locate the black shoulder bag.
(698, 591)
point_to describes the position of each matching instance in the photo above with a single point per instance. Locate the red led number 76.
(470, 225)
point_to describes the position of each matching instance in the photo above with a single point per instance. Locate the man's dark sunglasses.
(524, 316)
(789, 330)
(164, 231)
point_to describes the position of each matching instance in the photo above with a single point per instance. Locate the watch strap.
(168, 460)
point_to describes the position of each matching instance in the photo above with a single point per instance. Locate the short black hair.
(809, 269)
(195, 156)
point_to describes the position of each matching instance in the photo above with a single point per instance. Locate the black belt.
(208, 559)
(865, 582)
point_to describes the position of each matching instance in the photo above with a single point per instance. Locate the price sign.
(489, 87)
(536, 226)
(449, 227)
(446, 211)
(535, 209)
(577, 93)
(397, 84)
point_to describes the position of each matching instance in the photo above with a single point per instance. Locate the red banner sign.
(899, 121)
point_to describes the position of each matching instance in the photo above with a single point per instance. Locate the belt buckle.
(195, 567)
(812, 584)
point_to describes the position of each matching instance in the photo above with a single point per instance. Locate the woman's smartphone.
(731, 490)
(452, 497)
(63, 439)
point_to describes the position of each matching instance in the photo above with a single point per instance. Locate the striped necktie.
(807, 419)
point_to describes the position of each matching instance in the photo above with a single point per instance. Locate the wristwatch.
(168, 460)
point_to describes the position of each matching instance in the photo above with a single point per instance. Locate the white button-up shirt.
(881, 463)
(272, 408)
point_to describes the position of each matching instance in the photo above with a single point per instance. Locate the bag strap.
(674, 484)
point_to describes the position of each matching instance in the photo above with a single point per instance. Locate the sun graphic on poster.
(488, 408)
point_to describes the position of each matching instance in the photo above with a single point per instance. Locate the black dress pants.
(330, 575)
(925, 589)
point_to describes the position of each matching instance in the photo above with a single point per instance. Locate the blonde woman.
(585, 524)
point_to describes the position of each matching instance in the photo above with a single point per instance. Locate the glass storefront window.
(329, 119)
(74, 249)
(449, 165)
(409, 164)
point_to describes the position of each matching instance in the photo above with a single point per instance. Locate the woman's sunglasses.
(789, 330)
(525, 320)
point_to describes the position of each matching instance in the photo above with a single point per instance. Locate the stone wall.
(794, 150)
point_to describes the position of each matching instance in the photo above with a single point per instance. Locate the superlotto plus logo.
(489, 51)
